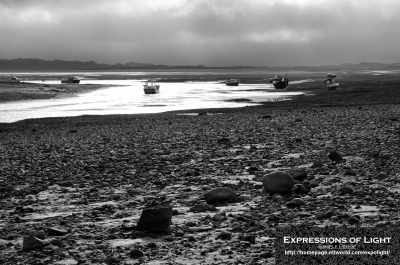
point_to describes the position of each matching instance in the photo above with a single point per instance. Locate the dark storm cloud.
(201, 31)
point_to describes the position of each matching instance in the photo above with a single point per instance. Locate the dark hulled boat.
(13, 79)
(232, 82)
(279, 82)
(151, 88)
(70, 79)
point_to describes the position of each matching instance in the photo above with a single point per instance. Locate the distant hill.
(38, 64)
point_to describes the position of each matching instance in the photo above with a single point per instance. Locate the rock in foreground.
(156, 219)
(221, 194)
(278, 182)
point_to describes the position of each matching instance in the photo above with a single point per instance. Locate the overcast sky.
(208, 32)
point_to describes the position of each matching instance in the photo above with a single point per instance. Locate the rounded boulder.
(278, 182)
(221, 194)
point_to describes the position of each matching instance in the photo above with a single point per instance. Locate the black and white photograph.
(173, 132)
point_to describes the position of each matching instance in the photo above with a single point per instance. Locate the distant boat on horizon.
(70, 79)
(232, 82)
(152, 88)
(279, 82)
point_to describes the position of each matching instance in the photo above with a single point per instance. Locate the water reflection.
(127, 97)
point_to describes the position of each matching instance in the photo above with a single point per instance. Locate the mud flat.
(31, 91)
(79, 185)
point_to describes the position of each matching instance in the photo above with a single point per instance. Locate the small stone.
(219, 217)
(225, 235)
(316, 164)
(334, 218)
(249, 238)
(56, 242)
(221, 194)
(152, 245)
(111, 237)
(292, 204)
(56, 231)
(266, 255)
(346, 190)
(179, 233)
(273, 218)
(111, 260)
(354, 220)
(277, 197)
(351, 172)
(301, 202)
(321, 216)
(314, 183)
(67, 183)
(202, 208)
(335, 156)
(298, 174)
(190, 224)
(136, 253)
(301, 189)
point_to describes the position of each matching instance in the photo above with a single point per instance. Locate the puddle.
(130, 242)
(231, 182)
(66, 262)
(305, 165)
(295, 155)
(353, 159)
(37, 216)
(103, 203)
(364, 210)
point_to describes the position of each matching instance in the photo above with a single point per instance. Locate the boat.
(232, 82)
(329, 75)
(151, 88)
(330, 81)
(13, 79)
(70, 79)
(279, 82)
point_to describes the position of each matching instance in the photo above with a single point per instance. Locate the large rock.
(30, 242)
(221, 194)
(155, 219)
(278, 182)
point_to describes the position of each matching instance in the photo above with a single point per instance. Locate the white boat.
(13, 79)
(151, 88)
(330, 82)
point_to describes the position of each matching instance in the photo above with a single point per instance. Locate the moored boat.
(232, 82)
(151, 88)
(330, 82)
(13, 79)
(279, 82)
(70, 79)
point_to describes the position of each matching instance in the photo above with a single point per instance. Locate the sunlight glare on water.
(127, 97)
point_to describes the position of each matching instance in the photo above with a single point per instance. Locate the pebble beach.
(73, 189)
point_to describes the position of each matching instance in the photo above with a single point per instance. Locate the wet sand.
(30, 91)
(92, 176)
